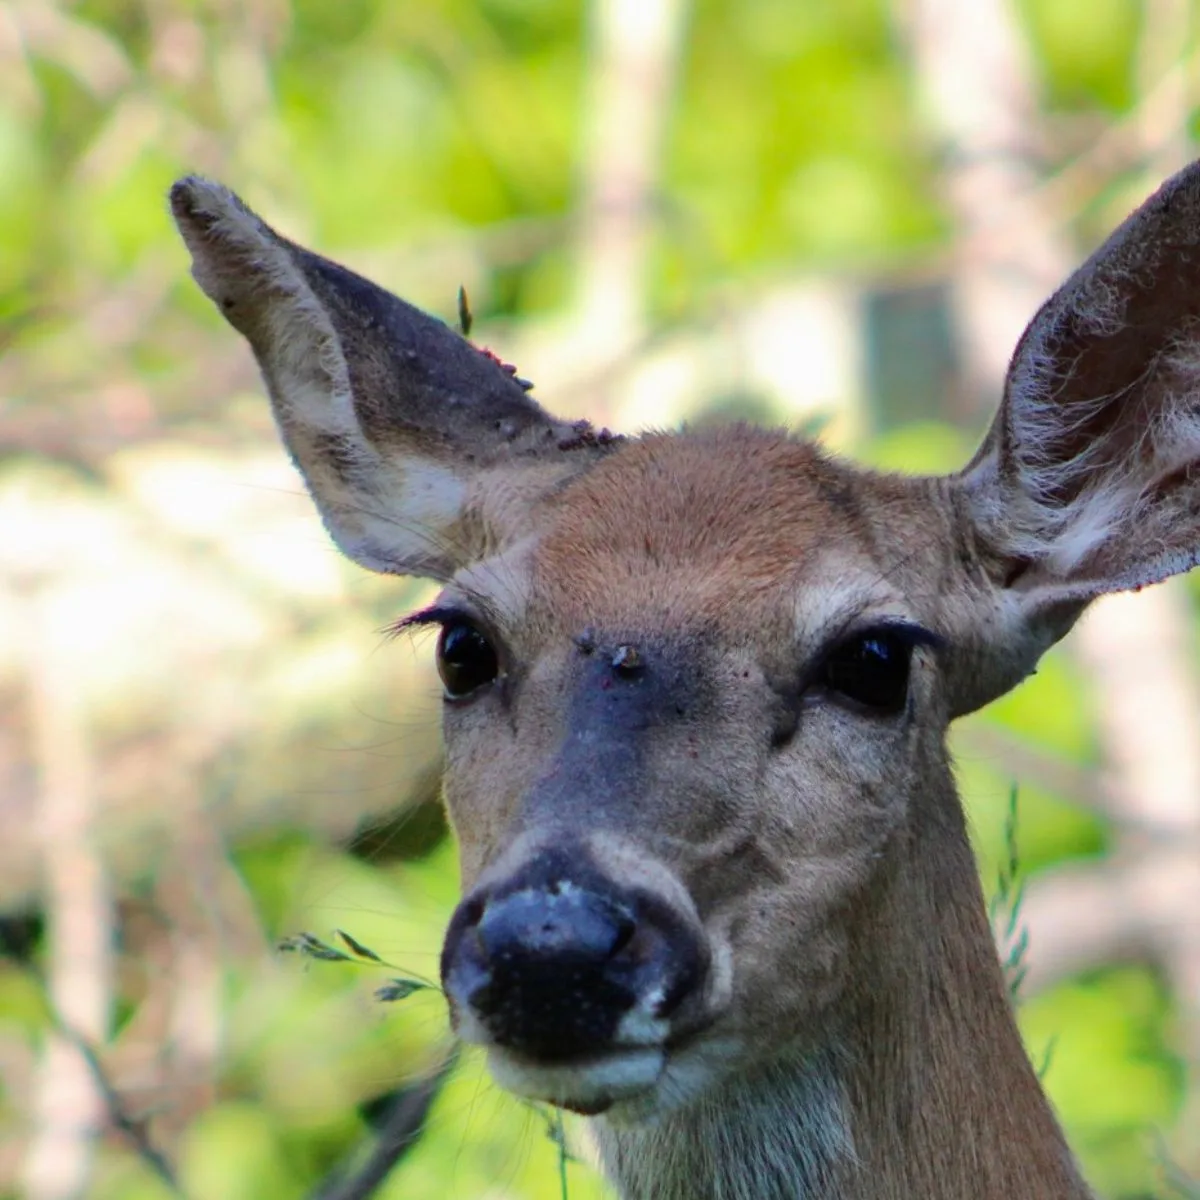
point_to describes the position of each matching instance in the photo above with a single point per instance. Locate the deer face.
(683, 725)
(697, 686)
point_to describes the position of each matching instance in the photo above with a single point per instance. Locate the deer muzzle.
(571, 980)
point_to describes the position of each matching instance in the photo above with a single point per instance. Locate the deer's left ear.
(422, 453)
(1089, 480)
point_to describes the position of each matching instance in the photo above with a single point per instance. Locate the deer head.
(717, 886)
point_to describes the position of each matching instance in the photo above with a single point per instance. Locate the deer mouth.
(629, 1084)
(589, 1086)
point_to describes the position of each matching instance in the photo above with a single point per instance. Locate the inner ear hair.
(1087, 481)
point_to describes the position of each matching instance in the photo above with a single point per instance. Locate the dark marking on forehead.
(614, 710)
(627, 687)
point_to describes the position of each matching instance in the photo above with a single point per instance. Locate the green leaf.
(400, 989)
(359, 950)
(311, 946)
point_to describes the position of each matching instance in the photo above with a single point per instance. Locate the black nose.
(550, 969)
(570, 930)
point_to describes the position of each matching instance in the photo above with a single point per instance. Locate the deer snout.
(560, 970)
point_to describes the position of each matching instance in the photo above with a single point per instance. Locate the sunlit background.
(832, 215)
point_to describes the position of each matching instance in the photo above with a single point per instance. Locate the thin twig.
(561, 1142)
(399, 1133)
(119, 1117)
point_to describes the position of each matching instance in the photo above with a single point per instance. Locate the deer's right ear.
(422, 453)
(1089, 481)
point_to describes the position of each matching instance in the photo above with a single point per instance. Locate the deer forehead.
(745, 534)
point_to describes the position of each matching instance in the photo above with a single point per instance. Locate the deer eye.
(871, 669)
(466, 660)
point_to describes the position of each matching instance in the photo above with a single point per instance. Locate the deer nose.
(574, 930)
(551, 971)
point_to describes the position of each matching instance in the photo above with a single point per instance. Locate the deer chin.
(624, 1077)
(629, 1085)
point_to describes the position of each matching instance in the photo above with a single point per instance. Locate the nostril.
(472, 911)
(626, 928)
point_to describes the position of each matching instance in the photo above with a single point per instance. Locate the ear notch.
(1089, 480)
(422, 452)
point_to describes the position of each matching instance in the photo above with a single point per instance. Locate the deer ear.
(423, 454)
(1089, 480)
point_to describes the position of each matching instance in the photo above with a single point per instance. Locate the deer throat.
(779, 1132)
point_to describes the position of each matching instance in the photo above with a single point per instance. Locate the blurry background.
(835, 214)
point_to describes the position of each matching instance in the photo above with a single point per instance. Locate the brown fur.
(853, 1038)
(845, 855)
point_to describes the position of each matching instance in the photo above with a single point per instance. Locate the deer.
(717, 889)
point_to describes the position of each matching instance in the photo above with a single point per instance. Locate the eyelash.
(905, 631)
(426, 618)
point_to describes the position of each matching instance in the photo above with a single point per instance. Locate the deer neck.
(920, 1088)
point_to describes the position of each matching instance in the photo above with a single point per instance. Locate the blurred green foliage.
(432, 143)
